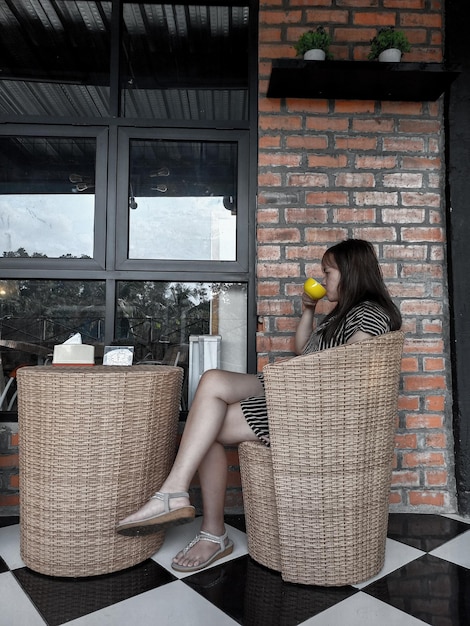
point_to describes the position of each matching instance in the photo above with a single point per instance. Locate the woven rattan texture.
(256, 472)
(333, 417)
(95, 443)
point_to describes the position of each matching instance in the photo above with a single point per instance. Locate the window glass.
(48, 312)
(187, 62)
(35, 315)
(163, 319)
(47, 197)
(55, 58)
(153, 316)
(182, 200)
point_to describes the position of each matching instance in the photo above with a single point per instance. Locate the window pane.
(35, 315)
(47, 199)
(55, 58)
(158, 319)
(185, 62)
(48, 312)
(182, 200)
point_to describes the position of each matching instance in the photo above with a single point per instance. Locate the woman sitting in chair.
(230, 407)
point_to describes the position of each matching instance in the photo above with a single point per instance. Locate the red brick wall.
(331, 169)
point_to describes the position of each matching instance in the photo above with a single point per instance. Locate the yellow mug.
(314, 289)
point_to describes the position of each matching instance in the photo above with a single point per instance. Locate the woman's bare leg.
(215, 416)
(213, 479)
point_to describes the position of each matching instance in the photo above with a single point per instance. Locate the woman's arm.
(305, 327)
(359, 335)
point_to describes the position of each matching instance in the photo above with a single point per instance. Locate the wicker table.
(95, 443)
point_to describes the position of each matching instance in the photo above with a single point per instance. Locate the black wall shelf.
(359, 80)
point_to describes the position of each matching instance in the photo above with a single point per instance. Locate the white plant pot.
(392, 55)
(314, 55)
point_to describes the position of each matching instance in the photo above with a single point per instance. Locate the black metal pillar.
(457, 18)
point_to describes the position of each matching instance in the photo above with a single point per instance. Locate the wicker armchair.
(316, 502)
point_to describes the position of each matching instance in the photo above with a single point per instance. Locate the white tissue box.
(73, 354)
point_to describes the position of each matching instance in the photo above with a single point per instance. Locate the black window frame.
(104, 264)
(190, 267)
(98, 262)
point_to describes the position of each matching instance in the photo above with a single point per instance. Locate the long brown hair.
(360, 279)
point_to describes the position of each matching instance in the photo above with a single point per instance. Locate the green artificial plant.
(314, 40)
(387, 38)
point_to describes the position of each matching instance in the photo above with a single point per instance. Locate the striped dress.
(368, 317)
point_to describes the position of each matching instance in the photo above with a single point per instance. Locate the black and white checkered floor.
(426, 580)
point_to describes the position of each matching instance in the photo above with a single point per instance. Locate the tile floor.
(426, 580)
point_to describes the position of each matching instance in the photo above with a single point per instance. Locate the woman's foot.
(162, 510)
(203, 550)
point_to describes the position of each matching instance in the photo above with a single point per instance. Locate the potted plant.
(388, 45)
(314, 45)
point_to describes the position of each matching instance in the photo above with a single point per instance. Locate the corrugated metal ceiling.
(178, 61)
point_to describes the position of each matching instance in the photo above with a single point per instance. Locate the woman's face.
(332, 278)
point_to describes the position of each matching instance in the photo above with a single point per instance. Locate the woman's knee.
(211, 377)
(211, 383)
(228, 386)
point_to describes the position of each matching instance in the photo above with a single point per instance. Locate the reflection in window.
(182, 200)
(158, 319)
(35, 315)
(47, 198)
(50, 311)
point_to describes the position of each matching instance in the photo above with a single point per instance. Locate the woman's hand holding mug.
(313, 289)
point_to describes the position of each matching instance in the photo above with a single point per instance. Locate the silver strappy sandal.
(154, 523)
(224, 550)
